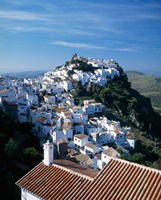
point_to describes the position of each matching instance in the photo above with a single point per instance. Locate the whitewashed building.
(80, 140)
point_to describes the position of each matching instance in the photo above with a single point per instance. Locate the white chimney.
(48, 153)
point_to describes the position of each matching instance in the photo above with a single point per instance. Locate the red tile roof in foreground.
(119, 180)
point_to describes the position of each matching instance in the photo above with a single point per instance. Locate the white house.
(101, 81)
(130, 143)
(57, 135)
(107, 154)
(91, 148)
(92, 129)
(78, 127)
(39, 125)
(89, 101)
(49, 99)
(98, 163)
(98, 107)
(67, 85)
(69, 101)
(79, 118)
(23, 112)
(89, 109)
(77, 109)
(67, 129)
(110, 125)
(102, 137)
(80, 140)
(119, 136)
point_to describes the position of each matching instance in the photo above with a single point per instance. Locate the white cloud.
(29, 29)
(125, 50)
(21, 15)
(77, 45)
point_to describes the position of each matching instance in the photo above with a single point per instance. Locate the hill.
(20, 149)
(122, 103)
(147, 85)
(106, 82)
(26, 74)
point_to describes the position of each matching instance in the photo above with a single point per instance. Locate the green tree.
(2, 141)
(157, 164)
(31, 156)
(137, 158)
(26, 127)
(11, 148)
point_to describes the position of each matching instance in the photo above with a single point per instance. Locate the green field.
(147, 85)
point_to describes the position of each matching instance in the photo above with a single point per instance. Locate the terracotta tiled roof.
(119, 180)
(82, 157)
(67, 124)
(117, 130)
(52, 182)
(61, 141)
(98, 155)
(82, 170)
(66, 113)
(3, 91)
(59, 110)
(111, 152)
(56, 117)
(92, 146)
(80, 136)
(122, 180)
(41, 119)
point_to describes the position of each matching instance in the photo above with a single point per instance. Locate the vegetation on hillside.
(147, 85)
(20, 152)
(126, 104)
(129, 107)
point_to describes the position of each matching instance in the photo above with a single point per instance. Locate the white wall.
(81, 142)
(27, 196)
(105, 158)
(131, 142)
(57, 135)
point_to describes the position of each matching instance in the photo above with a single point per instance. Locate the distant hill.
(26, 74)
(147, 85)
(152, 72)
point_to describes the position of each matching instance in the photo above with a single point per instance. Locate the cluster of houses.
(103, 70)
(46, 102)
(62, 179)
(77, 133)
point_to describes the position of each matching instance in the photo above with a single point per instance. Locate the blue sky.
(42, 34)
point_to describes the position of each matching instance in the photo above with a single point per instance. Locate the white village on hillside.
(82, 130)
(79, 162)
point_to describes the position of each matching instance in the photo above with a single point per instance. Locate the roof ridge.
(136, 164)
(73, 172)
